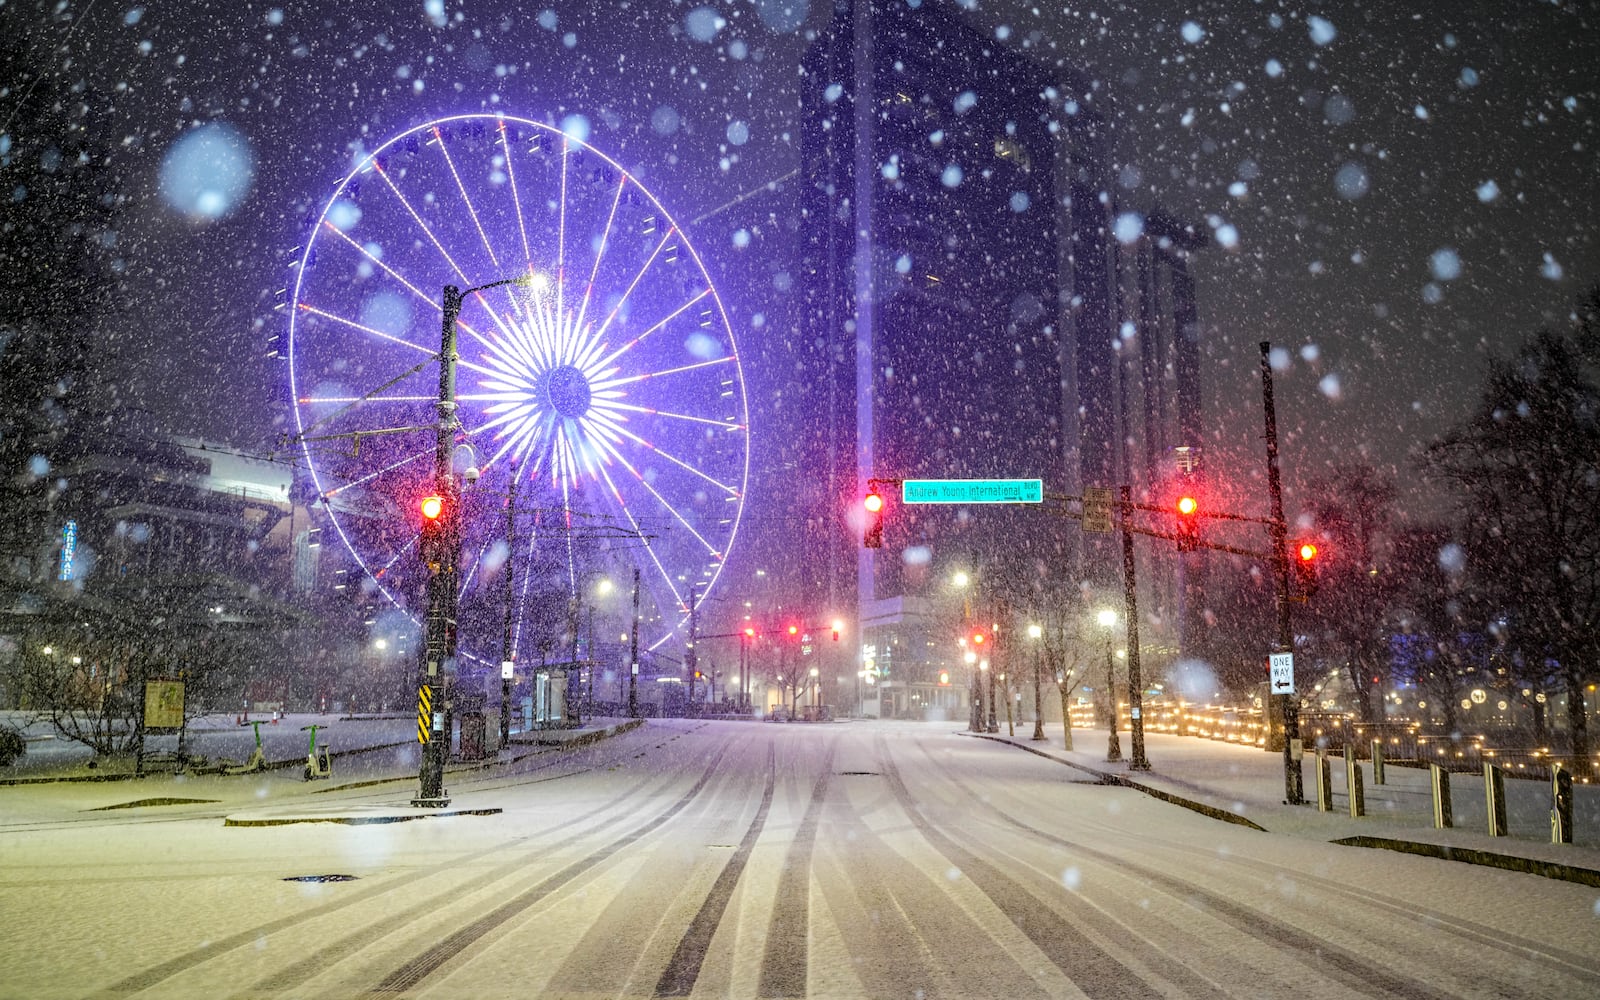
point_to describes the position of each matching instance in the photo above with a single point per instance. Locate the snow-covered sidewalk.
(1248, 783)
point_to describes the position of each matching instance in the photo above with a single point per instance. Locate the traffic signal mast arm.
(1168, 535)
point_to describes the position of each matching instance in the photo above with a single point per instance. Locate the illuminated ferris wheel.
(599, 381)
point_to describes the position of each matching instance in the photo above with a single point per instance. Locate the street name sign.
(972, 491)
(1281, 668)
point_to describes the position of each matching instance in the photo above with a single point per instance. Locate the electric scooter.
(257, 761)
(319, 764)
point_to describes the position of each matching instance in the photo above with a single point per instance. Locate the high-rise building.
(964, 276)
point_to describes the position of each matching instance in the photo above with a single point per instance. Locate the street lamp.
(1108, 620)
(1034, 632)
(439, 633)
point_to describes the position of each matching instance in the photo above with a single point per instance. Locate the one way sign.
(1281, 668)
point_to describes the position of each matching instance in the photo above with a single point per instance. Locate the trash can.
(474, 731)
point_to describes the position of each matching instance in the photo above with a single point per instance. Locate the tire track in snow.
(428, 962)
(1474, 934)
(684, 968)
(1095, 971)
(783, 965)
(251, 937)
(1355, 972)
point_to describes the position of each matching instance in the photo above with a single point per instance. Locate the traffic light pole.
(438, 647)
(1293, 781)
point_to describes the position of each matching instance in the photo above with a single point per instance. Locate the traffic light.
(978, 637)
(432, 508)
(838, 626)
(433, 530)
(872, 531)
(1304, 558)
(794, 630)
(944, 678)
(1188, 524)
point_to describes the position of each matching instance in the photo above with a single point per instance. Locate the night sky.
(1396, 195)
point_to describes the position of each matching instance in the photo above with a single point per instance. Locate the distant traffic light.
(1188, 524)
(749, 632)
(872, 531)
(794, 630)
(838, 626)
(1305, 555)
(978, 637)
(432, 507)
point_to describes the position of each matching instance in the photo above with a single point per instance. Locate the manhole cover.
(321, 878)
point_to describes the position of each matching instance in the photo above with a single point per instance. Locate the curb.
(356, 820)
(1108, 778)
(1472, 856)
(1463, 855)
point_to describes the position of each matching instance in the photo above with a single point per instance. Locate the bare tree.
(1352, 508)
(1525, 469)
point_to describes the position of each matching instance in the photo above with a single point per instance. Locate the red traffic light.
(1188, 533)
(794, 630)
(977, 638)
(432, 507)
(1307, 551)
(872, 530)
(750, 632)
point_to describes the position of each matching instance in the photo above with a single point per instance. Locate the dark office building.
(964, 278)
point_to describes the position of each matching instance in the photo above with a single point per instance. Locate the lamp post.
(443, 558)
(633, 654)
(1034, 632)
(1108, 619)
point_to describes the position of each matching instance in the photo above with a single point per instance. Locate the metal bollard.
(1443, 817)
(1494, 793)
(1352, 784)
(1560, 805)
(1324, 782)
(1377, 762)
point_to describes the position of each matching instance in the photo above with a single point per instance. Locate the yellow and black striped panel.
(424, 713)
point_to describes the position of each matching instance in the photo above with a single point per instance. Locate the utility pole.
(1293, 782)
(633, 655)
(994, 667)
(691, 659)
(443, 555)
(506, 654)
(1130, 595)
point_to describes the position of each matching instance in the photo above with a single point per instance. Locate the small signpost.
(1097, 501)
(972, 491)
(1280, 667)
(163, 705)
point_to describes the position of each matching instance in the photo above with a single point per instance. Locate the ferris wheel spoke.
(472, 573)
(426, 229)
(378, 473)
(724, 424)
(465, 198)
(379, 263)
(630, 345)
(680, 463)
(600, 253)
(665, 504)
(644, 539)
(386, 567)
(306, 307)
(612, 383)
(637, 277)
(516, 199)
(561, 227)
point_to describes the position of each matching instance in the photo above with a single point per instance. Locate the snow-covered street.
(742, 859)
